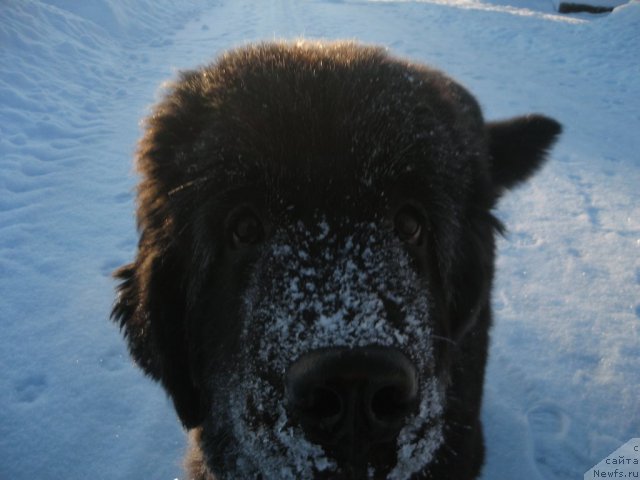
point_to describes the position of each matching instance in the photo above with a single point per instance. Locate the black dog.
(315, 262)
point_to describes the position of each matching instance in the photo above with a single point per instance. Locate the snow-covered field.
(563, 385)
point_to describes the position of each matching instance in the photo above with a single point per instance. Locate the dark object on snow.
(580, 7)
(312, 283)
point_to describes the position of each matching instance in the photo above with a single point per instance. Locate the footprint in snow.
(524, 239)
(30, 388)
(124, 197)
(113, 360)
(558, 444)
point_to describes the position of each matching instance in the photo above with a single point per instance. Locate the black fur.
(293, 133)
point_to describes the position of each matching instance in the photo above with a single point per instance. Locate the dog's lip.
(354, 455)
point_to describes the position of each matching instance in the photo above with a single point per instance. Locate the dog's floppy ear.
(150, 308)
(518, 147)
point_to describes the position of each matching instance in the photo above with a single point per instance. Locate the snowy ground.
(75, 77)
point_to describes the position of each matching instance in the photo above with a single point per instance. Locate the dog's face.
(316, 257)
(313, 283)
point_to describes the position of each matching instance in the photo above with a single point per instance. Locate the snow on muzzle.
(337, 351)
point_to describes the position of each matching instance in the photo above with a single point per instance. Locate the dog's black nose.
(346, 397)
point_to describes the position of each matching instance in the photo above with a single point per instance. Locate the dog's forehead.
(339, 116)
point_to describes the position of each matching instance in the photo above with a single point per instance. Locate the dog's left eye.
(408, 225)
(246, 229)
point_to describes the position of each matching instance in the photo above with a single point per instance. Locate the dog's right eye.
(408, 225)
(246, 229)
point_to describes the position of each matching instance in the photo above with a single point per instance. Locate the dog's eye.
(246, 229)
(408, 225)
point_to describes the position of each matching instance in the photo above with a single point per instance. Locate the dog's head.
(316, 241)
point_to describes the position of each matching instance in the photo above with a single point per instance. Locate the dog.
(312, 281)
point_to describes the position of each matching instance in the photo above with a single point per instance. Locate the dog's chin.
(379, 461)
(280, 449)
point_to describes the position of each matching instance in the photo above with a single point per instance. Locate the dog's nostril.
(390, 403)
(324, 404)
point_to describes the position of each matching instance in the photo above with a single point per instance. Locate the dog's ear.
(150, 308)
(518, 148)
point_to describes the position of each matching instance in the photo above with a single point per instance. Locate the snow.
(75, 78)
